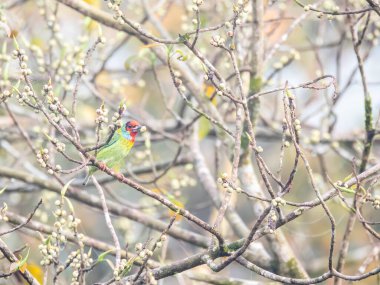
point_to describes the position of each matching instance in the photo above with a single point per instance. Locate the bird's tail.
(85, 181)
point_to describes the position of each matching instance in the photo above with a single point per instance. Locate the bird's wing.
(106, 152)
(113, 140)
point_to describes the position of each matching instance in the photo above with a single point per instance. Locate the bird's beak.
(139, 129)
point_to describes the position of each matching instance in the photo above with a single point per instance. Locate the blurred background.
(299, 45)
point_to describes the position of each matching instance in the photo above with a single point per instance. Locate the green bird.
(114, 153)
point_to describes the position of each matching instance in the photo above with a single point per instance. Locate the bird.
(113, 154)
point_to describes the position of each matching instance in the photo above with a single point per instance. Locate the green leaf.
(346, 190)
(184, 38)
(204, 67)
(41, 236)
(15, 43)
(110, 264)
(244, 141)
(15, 87)
(103, 255)
(47, 242)
(349, 209)
(289, 94)
(71, 207)
(47, 136)
(89, 252)
(13, 267)
(182, 56)
(3, 190)
(248, 136)
(64, 189)
(17, 265)
(255, 84)
(128, 267)
(348, 177)
(123, 105)
(204, 128)
(23, 261)
(128, 62)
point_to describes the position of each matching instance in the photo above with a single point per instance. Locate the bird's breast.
(126, 145)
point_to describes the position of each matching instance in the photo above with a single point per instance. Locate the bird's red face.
(133, 127)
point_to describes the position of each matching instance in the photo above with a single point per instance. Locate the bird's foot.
(102, 166)
(120, 176)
